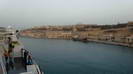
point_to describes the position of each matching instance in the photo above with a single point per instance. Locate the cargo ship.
(14, 58)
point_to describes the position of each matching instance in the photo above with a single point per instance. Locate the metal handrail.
(34, 62)
(37, 66)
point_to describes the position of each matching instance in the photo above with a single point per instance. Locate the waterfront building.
(130, 24)
(80, 35)
(129, 39)
(83, 35)
(108, 35)
(59, 34)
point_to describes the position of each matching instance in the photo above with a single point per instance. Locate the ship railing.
(2, 65)
(37, 67)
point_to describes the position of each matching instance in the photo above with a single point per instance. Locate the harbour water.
(73, 57)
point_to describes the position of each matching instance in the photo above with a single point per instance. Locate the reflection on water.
(70, 57)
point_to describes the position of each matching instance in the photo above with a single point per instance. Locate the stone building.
(108, 35)
(80, 35)
(59, 34)
(129, 39)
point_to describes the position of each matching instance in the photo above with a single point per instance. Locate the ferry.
(14, 58)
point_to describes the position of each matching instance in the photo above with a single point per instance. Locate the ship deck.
(19, 66)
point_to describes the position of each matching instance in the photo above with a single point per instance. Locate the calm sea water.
(70, 57)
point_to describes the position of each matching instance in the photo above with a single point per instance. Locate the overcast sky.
(64, 12)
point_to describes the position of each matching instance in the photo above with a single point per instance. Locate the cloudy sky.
(64, 12)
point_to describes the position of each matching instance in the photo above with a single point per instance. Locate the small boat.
(80, 39)
(84, 40)
(75, 39)
(14, 58)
